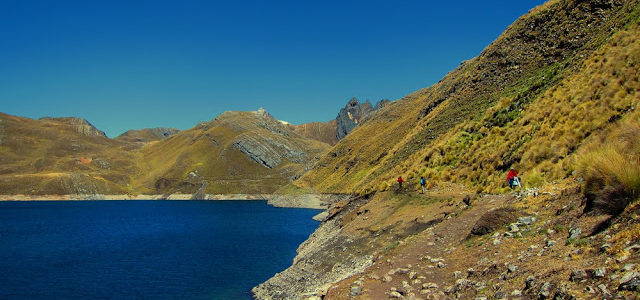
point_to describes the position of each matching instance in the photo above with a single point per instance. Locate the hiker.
(423, 182)
(400, 181)
(512, 178)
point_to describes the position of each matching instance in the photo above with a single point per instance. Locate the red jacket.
(512, 174)
(400, 179)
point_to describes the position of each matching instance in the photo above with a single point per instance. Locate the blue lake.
(145, 249)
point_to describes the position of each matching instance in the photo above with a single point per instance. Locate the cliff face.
(353, 114)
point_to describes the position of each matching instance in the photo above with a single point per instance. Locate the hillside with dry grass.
(564, 71)
(237, 152)
(555, 97)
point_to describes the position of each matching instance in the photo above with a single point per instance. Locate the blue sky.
(139, 64)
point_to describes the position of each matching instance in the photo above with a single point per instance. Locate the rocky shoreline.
(312, 201)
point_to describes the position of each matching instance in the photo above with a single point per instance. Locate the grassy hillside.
(209, 153)
(557, 75)
(69, 156)
(60, 156)
(321, 131)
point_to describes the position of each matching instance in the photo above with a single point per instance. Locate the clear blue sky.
(138, 64)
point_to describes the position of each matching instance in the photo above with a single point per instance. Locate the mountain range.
(554, 97)
(236, 152)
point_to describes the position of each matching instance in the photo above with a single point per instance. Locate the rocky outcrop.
(326, 257)
(353, 114)
(82, 126)
(268, 152)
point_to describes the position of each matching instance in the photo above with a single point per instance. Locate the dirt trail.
(422, 253)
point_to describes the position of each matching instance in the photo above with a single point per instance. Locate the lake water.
(145, 249)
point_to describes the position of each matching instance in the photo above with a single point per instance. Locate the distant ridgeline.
(237, 152)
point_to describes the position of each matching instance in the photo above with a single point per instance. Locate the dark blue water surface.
(145, 249)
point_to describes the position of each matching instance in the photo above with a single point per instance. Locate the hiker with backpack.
(400, 181)
(423, 182)
(513, 179)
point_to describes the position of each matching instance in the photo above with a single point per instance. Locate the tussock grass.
(611, 168)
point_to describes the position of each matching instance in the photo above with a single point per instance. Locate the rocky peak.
(82, 126)
(353, 114)
(261, 112)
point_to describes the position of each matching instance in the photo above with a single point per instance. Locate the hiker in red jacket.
(512, 178)
(400, 181)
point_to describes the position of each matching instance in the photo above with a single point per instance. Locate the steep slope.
(321, 131)
(237, 152)
(555, 96)
(499, 109)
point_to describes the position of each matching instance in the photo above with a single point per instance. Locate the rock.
(590, 290)
(429, 285)
(530, 282)
(578, 275)
(481, 298)
(511, 268)
(603, 289)
(406, 286)
(416, 282)
(545, 291)
(399, 271)
(516, 293)
(467, 200)
(513, 227)
(630, 281)
(550, 243)
(350, 116)
(604, 247)
(470, 272)
(500, 295)
(355, 290)
(395, 295)
(574, 233)
(457, 274)
(599, 272)
(386, 278)
(526, 220)
(440, 265)
(628, 267)
(496, 242)
(412, 275)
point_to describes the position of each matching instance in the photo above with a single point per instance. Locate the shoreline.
(312, 201)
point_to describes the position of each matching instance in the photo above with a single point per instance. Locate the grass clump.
(611, 168)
